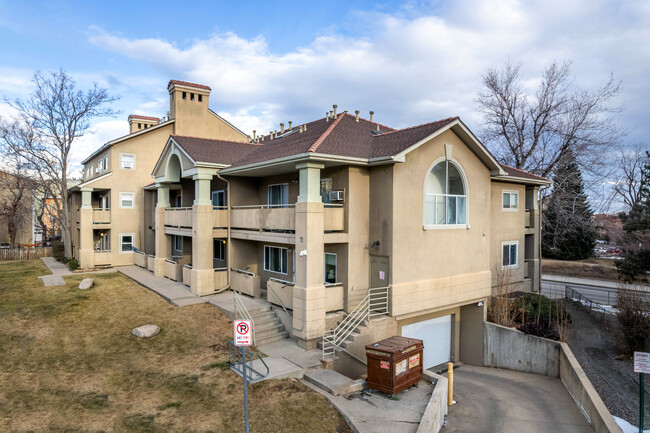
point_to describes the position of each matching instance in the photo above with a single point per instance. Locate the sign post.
(641, 366)
(243, 338)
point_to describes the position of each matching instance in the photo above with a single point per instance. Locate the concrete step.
(262, 320)
(333, 382)
(261, 311)
(271, 339)
(269, 332)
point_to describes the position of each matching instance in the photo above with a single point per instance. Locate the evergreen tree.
(568, 232)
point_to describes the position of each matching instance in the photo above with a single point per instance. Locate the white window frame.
(175, 240)
(266, 265)
(510, 192)
(509, 244)
(221, 191)
(336, 268)
(122, 194)
(463, 176)
(122, 242)
(268, 195)
(221, 249)
(122, 155)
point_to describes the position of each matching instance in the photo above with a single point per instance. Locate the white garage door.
(436, 334)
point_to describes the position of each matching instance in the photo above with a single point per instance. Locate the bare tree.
(49, 122)
(534, 132)
(632, 177)
(15, 197)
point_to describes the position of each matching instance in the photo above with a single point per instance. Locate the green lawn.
(68, 362)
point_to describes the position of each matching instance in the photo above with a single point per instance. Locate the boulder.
(86, 283)
(146, 331)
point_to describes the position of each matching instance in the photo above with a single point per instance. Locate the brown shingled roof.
(515, 172)
(187, 83)
(137, 116)
(214, 151)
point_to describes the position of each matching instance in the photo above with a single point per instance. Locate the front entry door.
(378, 271)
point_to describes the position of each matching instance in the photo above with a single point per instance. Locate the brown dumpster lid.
(393, 344)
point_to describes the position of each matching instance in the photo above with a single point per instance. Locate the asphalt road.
(491, 400)
(602, 292)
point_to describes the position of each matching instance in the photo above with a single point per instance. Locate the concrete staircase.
(268, 327)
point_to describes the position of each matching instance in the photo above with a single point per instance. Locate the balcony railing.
(173, 270)
(101, 216)
(334, 217)
(264, 217)
(530, 220)
(245, 282)
(178, 216)
(219, 217)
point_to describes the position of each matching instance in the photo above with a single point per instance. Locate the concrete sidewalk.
(59, 269)
(175, 293)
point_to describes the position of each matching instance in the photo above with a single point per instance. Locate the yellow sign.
(414, 360)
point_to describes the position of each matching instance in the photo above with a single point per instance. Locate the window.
(178, 201)
(219, 249)
(184, 95)
(126, 243)
(200, 98)
(219, 198)
(102, 164)
(191, 96)
(139, 125)
(275, 259)
(104, 202)
(126, 199)
(177, 243)
(279, 195)
(510, 200)
(325, 189)
(445, 198)
(128, 160)
(509, 254)
(330, 268)
(103, 244)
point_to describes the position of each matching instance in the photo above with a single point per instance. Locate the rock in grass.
(146, 331)
(86, 283)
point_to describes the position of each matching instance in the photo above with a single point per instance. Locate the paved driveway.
(491, 400)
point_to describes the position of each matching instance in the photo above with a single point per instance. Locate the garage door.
(436, 334)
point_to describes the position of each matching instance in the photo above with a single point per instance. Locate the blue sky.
(270, 62)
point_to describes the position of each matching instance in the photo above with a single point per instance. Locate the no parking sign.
(243, 333)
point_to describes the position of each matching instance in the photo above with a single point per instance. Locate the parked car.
(4, 245)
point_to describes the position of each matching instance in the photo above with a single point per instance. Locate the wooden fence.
(24, 253)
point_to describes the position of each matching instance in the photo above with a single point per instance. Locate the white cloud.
(100, 133)
(409, 70)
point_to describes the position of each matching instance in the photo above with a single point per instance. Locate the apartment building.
(109, 204)
(341, 214)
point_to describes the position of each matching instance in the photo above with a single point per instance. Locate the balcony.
(101, 216)
(102, 257)
(140, 259)
(187, 275)
(264, 217)
(245, 282)
(178, 216)
(280, 293)
(219, 217)
(334, 217)
(220, 278)
(173, 270)
(530, 219)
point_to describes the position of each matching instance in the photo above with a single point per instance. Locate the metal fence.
(594, 307)
(24, 253)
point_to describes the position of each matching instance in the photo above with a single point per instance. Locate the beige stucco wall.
(507, 226)
(441, 267)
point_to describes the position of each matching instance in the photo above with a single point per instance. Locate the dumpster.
(394, 364)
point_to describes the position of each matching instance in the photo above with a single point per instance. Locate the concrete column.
(309, 290)
(202, 275)
(86, 249)
(163, 244)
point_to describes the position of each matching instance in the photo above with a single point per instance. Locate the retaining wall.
(433, 417)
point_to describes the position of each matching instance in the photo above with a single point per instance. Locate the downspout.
(539, 271)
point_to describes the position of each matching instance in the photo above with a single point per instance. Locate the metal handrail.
(236, 358)
(187, 266)
(138, 252)
(242, 313)
(171, 261)
(152, 256)
(101, 208)
(102, 251)
(270, 289)
(333, 284)
(177, 208)
(220, 269)
(374, 304)
(285, 282)
(219, 207)
(241, 271)
(333, 205)
(264, 206)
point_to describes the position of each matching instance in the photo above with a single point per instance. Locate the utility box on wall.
(394, 364)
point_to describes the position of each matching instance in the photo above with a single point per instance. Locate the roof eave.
(521, 180)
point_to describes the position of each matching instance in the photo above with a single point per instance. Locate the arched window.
(445, 196)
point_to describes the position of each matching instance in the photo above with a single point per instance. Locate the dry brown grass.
(602, 269)
(69, 363)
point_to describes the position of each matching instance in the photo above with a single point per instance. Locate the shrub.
(58, 251)
(73, 264)
(544, 329)
(634, 317)
(534, 307)
(65, 259)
